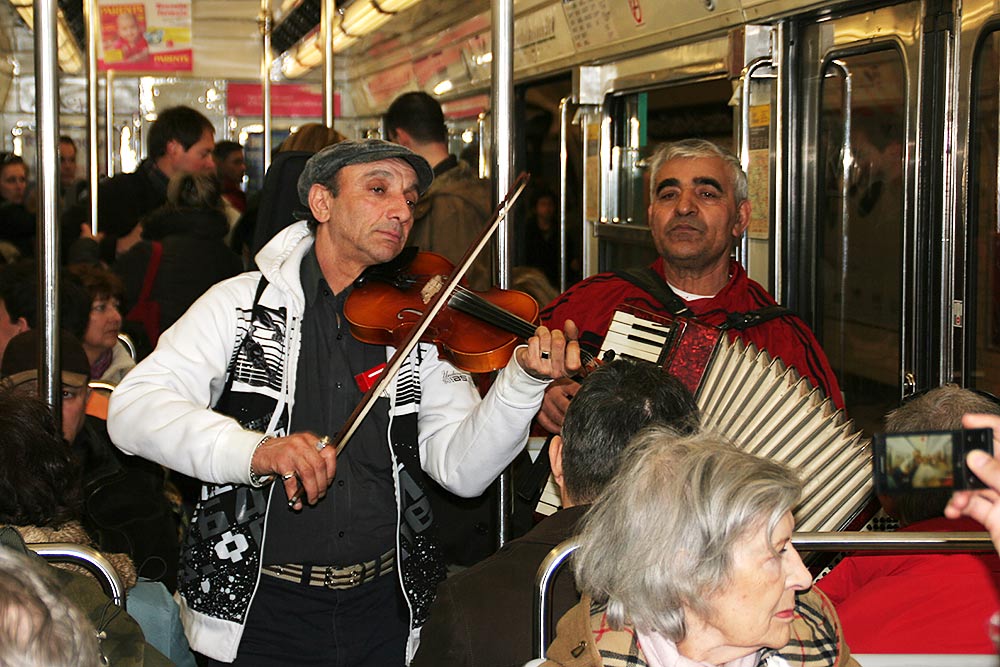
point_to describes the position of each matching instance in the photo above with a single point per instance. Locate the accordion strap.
(650, 281)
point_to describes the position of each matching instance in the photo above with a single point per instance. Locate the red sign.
(636, 10)
(290, 100)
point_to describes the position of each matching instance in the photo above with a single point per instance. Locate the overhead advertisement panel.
(145, 36)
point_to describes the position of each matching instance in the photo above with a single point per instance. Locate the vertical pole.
(264, 24)
(109, 122)
(502, 101)
(47, 161)
(327, 12)
(93, 92)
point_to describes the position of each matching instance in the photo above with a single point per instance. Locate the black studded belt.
(335, 576)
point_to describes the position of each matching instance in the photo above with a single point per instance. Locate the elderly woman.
(109, 360)
(686, 560)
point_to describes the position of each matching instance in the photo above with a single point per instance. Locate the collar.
(444, 165)
(156, 177)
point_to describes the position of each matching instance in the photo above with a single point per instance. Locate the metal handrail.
(90, 559)
(129, 344)
(833, 541)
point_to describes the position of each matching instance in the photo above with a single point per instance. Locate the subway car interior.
(869, 132)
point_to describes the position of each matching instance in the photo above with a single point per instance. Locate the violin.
(476, 331)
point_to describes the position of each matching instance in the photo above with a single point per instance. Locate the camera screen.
(919, 461)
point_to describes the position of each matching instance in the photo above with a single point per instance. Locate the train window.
(982, 325)
(861, 221)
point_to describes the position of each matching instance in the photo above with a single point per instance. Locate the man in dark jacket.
(482, 616)
(181, 139)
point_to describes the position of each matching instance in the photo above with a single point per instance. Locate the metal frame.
(86, 557)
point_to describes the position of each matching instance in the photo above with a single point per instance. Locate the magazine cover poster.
(145, 36)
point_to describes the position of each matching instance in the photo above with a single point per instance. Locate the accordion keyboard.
(634, 337)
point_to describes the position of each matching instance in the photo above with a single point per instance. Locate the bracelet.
(257, 481)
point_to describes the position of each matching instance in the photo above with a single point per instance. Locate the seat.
(129, 344)
(88, 558)
(541, 617)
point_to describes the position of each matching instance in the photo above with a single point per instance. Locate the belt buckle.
(355, 572)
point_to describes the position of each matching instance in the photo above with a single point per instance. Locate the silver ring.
(322, 443)
(545, 355)
(288, 475)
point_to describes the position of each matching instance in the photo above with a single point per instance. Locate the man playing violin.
(346, 575)
(699, 207)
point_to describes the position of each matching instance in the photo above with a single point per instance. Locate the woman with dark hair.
(187, 233)
(109, 360)
(17, 225)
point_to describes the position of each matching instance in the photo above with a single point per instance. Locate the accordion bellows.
(759, 404)
(769, 410)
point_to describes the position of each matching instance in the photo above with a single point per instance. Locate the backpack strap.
(151, 270)
(650, 281)
(741, 321)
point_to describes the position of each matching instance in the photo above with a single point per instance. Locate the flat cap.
(321, 167)
(20, 360)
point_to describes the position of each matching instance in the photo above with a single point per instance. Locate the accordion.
(761, 405)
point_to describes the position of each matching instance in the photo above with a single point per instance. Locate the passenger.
(109, 359)
(125, 508)
(311, 137)
(539, 244)
(614, 403)
(180, 139)
(698, 210)
(189, 229)
(72, 188)
(686, 558)
(40, 498)
(19, 303)
(907, 603)
(278, 210)
(17, 224)
(39, 625)
(255, 347)
(231, 167)
(457, 207)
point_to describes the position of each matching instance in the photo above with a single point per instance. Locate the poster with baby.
(145, 36)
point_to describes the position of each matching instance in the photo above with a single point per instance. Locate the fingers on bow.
(306, 471)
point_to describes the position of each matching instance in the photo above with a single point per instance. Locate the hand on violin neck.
(551, 354)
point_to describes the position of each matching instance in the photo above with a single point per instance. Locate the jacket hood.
(460, 182)
(194, 222)
(281, 258)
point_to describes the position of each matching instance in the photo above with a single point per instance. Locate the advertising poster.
(145, 36)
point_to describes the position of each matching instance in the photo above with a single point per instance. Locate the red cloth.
(917, 603)
(591, 303)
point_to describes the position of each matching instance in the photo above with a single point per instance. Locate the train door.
(976, 316)
(851, 271)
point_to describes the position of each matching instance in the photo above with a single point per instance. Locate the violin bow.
(434, 306)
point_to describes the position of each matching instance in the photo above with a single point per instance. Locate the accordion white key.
(762, 406)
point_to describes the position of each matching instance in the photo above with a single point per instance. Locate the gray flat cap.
(321, 167)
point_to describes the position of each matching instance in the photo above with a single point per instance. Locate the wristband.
(257, 481)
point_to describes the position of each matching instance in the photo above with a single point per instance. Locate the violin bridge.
(432, 287)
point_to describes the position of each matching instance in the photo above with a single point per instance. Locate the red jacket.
(917, 603)
(592, 302)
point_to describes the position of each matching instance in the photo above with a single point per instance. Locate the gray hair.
(940, 409)
(699, 149)
(661, 536)
(39, 626)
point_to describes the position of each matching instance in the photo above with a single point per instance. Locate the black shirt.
(356, 521)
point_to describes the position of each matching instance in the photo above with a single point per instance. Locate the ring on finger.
(322, 443)
(544, 354)
(288, 475)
